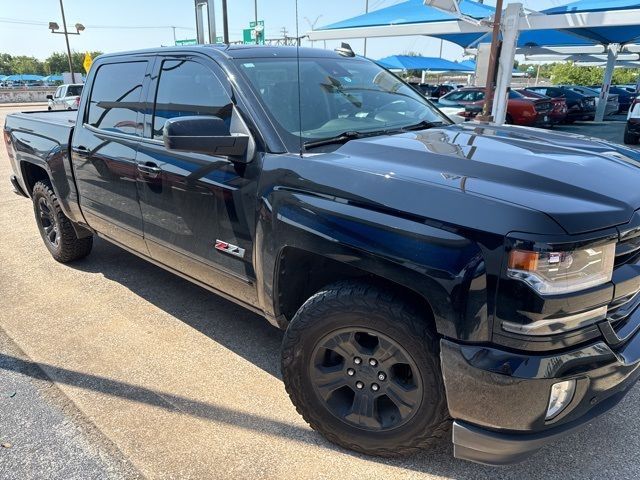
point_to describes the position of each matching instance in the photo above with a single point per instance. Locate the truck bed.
(65, 118)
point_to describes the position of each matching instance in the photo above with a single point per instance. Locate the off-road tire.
(68, 247)
(630, 138)
(345, 304)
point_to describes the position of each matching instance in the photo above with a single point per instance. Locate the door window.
(58, 92)
(187, 88)
(115, 97)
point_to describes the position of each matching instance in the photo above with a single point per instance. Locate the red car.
(520, 109)
(559, 108)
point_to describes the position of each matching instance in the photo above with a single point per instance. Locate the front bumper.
(499, 399)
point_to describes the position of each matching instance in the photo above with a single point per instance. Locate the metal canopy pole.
(612, 56)
(199, 22)
(510, 32)
(211, 16)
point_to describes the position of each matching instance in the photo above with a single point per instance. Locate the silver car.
(67, 97)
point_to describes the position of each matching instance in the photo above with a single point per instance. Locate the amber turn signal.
(523, 260)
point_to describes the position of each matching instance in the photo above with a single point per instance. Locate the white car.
(67, 97)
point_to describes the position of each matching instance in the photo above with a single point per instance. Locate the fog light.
(561, 396)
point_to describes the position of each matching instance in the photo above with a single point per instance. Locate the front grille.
(628, 250)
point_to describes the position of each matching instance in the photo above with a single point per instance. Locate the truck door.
(104, 151)
(57, 97)
(198, 209)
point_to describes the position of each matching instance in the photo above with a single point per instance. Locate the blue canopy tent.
(568, 37)
(24, 77)
(410, 12)
(52, 78)
(412, 62)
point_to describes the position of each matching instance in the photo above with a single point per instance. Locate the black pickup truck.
(430, 277)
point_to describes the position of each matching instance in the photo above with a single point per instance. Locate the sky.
(120, 25)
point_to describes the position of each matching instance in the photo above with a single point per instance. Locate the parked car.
(579, 107)
(632, 128)
(558, 112)
(66, 97)
(426, 274)
(434, 91)
(629, 88)
(520, 110)
(625, 97)
(612, 101)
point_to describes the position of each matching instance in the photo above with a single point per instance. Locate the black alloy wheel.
(48, 222)
(366, 379)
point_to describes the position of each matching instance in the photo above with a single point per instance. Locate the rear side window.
(187, 88)
(74, 90)
(115, 97)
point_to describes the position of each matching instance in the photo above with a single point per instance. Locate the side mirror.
(49, 97)
(204, 134)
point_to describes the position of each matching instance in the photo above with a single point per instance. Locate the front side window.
(329, 96)
(58, 92)
(187, 88)
(115, 97)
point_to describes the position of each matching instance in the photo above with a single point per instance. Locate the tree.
(57, 62)
(24, 64)
(5, 64)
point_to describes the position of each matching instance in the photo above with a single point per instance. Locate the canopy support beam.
(510, 34)
(612, 56)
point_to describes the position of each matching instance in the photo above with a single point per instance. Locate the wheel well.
(300, 274)
(31, 174)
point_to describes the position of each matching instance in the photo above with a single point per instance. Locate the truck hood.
(584, 184)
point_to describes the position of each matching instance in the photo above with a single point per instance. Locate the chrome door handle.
(149, 169)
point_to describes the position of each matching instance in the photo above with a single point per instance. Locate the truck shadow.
(581, 455)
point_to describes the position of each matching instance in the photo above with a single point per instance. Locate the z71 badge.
(229, 248)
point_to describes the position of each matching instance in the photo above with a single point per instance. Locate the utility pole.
(174, 35)
(53, 26)
(312, 26)
(493, 65)
(255, 18)
(66, 39)
(284, 32)
(366, 10)
(225, 23)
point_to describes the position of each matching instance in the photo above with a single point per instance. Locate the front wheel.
(362, 368)
(56, 229)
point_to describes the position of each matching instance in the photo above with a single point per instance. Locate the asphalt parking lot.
(113, 368)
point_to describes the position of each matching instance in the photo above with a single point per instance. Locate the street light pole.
(366, 10)
(225, 22)
(66, 38)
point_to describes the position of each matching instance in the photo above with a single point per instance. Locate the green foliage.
(567, 73)
(56, 63)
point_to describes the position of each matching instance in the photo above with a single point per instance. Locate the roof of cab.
(238, 51)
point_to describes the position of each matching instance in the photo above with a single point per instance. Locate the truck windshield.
(336, 95)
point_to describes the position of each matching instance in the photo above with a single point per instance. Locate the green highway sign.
(255, 30)
(188, 41)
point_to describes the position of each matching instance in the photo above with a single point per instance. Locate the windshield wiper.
(340, 138)
(422, 125)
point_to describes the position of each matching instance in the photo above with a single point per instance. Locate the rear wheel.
(55, 228)
(508, 119)
(630, 138)
(362, 368)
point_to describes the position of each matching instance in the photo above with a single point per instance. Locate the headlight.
(552, 273)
